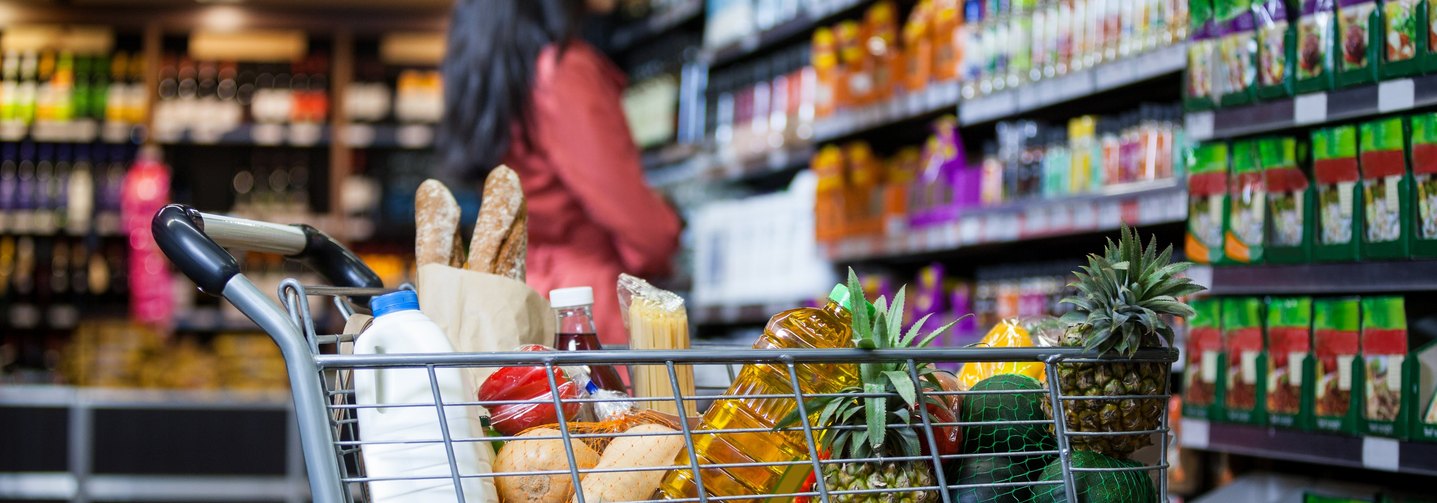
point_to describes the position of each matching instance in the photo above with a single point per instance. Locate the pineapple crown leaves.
(1124, 294)
(887, 395)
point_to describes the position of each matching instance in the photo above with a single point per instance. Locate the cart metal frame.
(318, 371)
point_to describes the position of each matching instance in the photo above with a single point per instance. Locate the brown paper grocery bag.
(483, 312)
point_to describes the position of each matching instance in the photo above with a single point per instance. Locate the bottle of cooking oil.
(826, 327)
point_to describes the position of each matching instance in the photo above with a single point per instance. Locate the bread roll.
(503, 206)
(436, 224)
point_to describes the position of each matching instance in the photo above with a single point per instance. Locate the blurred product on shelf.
(1289, 341)
(1362, 197)
(274, 187)
(860, 195)
(1203, 376)
(763, 107)
(122, 354)
(651, 107)
(57, 87)
(1335, 342)
(1237, 51)
(407, 95)
(146, 190)
(758, 250)
(209, 98)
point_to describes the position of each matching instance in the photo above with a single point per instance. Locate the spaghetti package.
(657, 320)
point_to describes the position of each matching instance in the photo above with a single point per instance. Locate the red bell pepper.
(527, 383)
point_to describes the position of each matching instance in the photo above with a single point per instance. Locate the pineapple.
(859, 427)
(1124, 299)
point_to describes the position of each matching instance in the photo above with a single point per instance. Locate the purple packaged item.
(928, 298)
(937, 188)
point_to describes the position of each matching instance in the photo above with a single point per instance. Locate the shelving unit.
(1315, 109)
(935, 98)
(1336, 278)
(800, 25)
(81, 458)
(1044, 93)
(657, 24)
(77, 131)
(256, 135)
(1149, 203)
(1374, 453)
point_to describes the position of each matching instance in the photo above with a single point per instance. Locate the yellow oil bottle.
(808, 327)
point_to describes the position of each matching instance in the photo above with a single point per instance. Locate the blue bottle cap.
(403, 300)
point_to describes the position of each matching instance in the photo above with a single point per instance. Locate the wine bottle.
(80, 194)
(9, 185)
(46, 191)
(26, 190)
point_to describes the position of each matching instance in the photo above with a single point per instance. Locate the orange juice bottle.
(864, 196)
(828, 208)
(857, 72)
(918, 47)
(902, 170)
(884, 58)
(807, 327)
(947, 17)
(827, 72)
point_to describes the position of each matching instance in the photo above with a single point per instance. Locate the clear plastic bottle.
(807, 327)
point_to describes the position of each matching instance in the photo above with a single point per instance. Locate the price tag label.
(952, 235)
(263, 134)
(414, 136)
(913, 103)
(1129, 212)
(1060, 218)
(1395, 95)
(1195, 433)
(359, 135)
(1035, 221)
(1381, 453)
(12, 130)
(970, 229)
(1198, 125)
(1309, 108)
(115, 132)
(304, 135)
(1110, 215)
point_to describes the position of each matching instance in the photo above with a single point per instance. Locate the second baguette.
(502, 206)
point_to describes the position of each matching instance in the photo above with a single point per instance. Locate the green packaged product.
(1424, 182)
(1359, 40)
(1237, 51)
(1428, 50)
(1289, 201)
(1203, 378)
(1200, 89)
(1339, 194)
(1244, 344)
(1386, 189)
(1247, 206)
(1289, 342)
(1207, 203)
(1384, 355)
(1335, 343)
(1316, 46)
(1276, 48)
(1404, 33)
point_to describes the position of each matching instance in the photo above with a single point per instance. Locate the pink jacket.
(591, 214)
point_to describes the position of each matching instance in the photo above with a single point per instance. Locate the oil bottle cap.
(840, 295)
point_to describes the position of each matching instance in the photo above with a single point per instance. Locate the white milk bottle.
(399, 327)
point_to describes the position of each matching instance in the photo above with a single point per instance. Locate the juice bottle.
(918, 47)
(827, 72)
(946, 56)
(827, 164)
(574, 314)
(857, 69)
(864, 197)
(884, 57)
(805, 327)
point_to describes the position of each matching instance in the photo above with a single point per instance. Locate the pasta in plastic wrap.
(1006, 334)
(657, 320)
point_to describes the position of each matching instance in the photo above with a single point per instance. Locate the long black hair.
(488, 71)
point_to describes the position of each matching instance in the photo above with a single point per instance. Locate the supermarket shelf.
(792, 29)
(1337, 278)
(122, 398)
(668, 155)
(745, 314)
(1079, 85)
(657, 24)
(76, 131)
(404, 136)
(1373, 453)
(1145, 203)
(708, 167)
(1314, 109)
(262, 135)
(903, 108)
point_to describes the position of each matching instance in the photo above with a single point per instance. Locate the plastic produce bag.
(529, 384)
(617, 424)
(1006, 334)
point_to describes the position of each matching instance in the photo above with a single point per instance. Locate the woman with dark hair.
(522, 89)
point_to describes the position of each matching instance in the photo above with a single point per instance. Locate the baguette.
(436, 224)
(503, 206)
(510, 263)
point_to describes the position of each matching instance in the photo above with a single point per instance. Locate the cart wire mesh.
(1011, 449)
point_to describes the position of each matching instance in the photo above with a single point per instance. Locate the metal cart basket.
(319, 373)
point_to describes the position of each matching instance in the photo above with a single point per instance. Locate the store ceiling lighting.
(223, 18)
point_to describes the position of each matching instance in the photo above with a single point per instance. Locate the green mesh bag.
(1128, 486)
(1006, 441)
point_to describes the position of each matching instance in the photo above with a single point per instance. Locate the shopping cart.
(319, 374)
